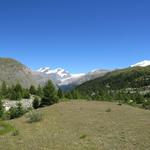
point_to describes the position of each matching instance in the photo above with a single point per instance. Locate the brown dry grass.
(82, 125)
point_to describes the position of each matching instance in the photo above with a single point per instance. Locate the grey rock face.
(26, 103)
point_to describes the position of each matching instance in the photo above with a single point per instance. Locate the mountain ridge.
(128, 80)
(12, 71)
(66, 80)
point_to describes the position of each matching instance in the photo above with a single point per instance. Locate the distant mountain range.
(59, 75)
(12, 72)
(66, 80)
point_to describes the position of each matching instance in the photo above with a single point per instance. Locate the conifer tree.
(68, 95)
(26, 94)
(12, 95)
(20, 109)
(19, 91)
(49, 94)
(4, 90)
(16, 92)
(36, 103)
(40, 91)
(1, 108)
(60, 93)
(74, 94)
(32, 90)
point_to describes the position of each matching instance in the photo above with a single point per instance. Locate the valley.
(53, 109)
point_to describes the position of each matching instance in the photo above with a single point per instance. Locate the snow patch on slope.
(78, 75)
(141, 64)
(44, 69)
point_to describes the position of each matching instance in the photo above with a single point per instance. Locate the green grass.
(82, 125)
(5, 128)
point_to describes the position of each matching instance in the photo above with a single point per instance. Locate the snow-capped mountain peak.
(58, 71)
(43, 69)
(63, 78)
(141, 64)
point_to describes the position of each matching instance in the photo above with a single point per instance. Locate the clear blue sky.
(78, 35)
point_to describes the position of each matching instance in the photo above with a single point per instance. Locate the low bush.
(119, 103)
(108, 110)
(146, 104)
(17, 111)
(15, 132)
(34, 116)
(83, 136)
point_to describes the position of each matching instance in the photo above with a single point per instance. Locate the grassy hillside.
(82, 125)
(129, 80)
(119, 79)
(12, 72)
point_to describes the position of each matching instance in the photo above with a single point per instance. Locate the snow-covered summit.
(141, 64)
(44, 69)
(58, 71)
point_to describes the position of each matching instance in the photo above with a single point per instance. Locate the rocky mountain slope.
(12, 72)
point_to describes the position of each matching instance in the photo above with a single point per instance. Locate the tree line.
(42, 96)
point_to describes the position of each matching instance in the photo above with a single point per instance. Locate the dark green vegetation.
(14, 92)
(1, 109)
(36, 102)
(131, 85)
(49, 94)
(43, 96)
(16, 112)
